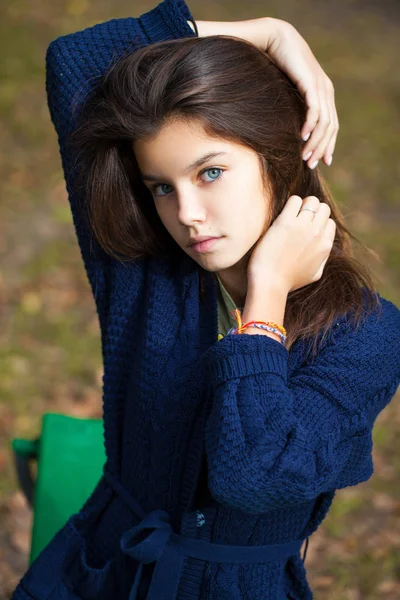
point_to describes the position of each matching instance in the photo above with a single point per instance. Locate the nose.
(190, 207)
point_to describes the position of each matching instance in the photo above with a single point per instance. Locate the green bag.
(70, 457)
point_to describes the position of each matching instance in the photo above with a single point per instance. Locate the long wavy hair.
(236, 92)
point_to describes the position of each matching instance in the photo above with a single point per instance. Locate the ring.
(314, 211)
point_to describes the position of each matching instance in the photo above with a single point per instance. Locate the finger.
(328, 154)
(318, 134)
(332, 143)
(291, 209)
(320, 271)
(323, 117)
(310, 88)
(311, 98)
(311, 202)
(321, 148)
(322, 216)
(330, 232)
(294, 203)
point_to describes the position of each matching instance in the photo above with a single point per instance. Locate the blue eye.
(153, 189)
(212, 169)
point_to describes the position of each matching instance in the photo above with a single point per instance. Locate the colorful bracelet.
(272, 330)
(266, 325)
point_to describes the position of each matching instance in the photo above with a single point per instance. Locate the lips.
(212, 237)
(205, 245)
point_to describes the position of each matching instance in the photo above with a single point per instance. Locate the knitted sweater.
(222, 456)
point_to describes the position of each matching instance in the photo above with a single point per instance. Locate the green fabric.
(70, 457)
(226, 305)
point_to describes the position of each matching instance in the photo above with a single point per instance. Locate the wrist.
(261, 32)
(271, 30)
(265, 302)
(265, 284)
(267, 31)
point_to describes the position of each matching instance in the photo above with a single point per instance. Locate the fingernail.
(329, 161)
(307, 156)
(305, 138)
(314, 164)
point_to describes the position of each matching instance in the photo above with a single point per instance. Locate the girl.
(246, 353)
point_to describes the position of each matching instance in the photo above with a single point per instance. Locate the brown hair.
(239, 94)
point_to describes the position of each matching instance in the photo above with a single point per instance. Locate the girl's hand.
(295, 248)
(291, 53)
(293, 56)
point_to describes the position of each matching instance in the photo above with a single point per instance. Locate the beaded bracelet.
(267, 325)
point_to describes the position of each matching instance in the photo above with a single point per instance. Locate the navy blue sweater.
(222, 456)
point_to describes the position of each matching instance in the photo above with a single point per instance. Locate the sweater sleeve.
(74, 63)
(275, 440)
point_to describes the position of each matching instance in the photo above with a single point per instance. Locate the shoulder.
(380, 318)
(367, 348)
(377, 317)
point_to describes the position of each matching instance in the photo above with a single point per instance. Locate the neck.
(235, 285)
(234, 279)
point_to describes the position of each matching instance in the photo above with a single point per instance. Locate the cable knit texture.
(239, 441)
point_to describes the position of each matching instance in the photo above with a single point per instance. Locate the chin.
(219, 265)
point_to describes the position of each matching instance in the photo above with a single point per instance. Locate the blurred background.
(49, 333)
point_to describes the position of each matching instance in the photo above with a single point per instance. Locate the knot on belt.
(159, 545)
(151, 548)
(154, 541)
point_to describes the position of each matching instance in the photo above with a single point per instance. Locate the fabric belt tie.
(168, 550)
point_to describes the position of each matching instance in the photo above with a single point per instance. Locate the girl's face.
(222, 197)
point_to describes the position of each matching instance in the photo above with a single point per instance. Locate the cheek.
(249, 212)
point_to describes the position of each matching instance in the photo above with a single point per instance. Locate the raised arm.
(74, 63)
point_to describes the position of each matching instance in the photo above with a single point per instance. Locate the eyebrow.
(196, 163)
